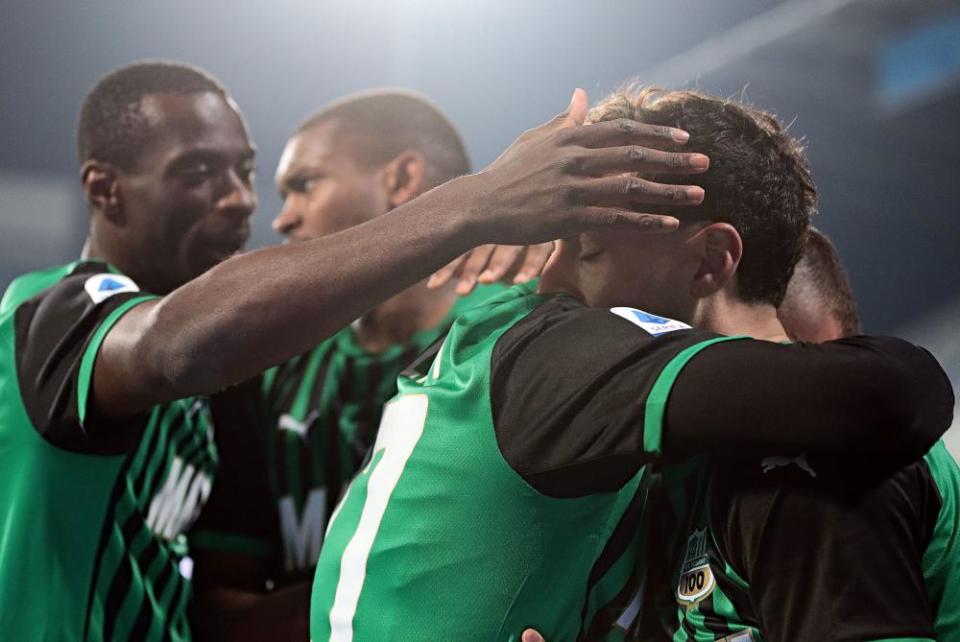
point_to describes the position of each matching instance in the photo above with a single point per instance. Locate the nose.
(240, 198)
(289, 217)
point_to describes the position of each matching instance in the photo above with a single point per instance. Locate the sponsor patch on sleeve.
(651, 323)
(104, 286)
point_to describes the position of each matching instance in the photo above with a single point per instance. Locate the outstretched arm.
(259, 309)
(582, 398)
(872, 395)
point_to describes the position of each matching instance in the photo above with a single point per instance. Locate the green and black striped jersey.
(805, 549)
(313, 421)
(92, 511)
(506, 478)
(508, 475)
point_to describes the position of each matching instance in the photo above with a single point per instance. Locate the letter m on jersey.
(302, 537)
(177, 503)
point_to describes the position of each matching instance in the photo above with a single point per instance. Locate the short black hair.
(820, 284)
(112, 127)
(758, 180)
(382, 123)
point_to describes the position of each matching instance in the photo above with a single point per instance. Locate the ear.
(405, 177)
(719, 248)
(101, 185)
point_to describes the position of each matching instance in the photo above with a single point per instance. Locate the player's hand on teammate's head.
(493, 263)
(532, 636)
(565, 177)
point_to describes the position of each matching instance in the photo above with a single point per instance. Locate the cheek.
(337, 208)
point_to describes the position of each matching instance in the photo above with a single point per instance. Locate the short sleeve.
(578, 394)
(58, 333)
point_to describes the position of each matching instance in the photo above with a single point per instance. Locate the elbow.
(916, 404)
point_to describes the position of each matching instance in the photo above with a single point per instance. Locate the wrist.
(454, 208)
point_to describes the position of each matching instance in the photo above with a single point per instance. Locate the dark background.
(871, 84)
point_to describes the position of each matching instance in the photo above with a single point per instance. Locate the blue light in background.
(919, 63)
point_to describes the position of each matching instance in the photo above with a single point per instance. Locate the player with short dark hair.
(380, 124)
(317, 414)
(508, 478)
(819, 305)
(799, 548)
(105, 451)
(113, 124)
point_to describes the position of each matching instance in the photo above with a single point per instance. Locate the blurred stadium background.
(873, 85)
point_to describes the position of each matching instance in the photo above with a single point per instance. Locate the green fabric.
(231, 542)
(438, 488)
(338, 387)
(90, 353)
(941, 560)
(90, 544)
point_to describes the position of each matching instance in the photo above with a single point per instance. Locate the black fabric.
(53, 330)
(831, 557)
(568, 386)
(240, 501)
(872, 396)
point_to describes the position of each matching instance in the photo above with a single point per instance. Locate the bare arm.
(254, 311)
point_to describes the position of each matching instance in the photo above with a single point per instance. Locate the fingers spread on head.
(634, 193)
(611, 218)
(502, 261)
(475, 264)
(535, 259)
(634, 158)
(623, 131)
(442, 276)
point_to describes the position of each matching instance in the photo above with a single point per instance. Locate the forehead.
(181, 123)
(322, 145)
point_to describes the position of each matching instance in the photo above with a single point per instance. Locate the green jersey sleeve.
(58, 333)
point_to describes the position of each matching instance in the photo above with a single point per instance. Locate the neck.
(112, 250)
(396, 320)
(725, 314)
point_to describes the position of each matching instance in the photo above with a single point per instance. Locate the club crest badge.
(696, 579)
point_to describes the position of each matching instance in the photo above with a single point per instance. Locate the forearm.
(870, 395)
(230, 614)
(259, 309)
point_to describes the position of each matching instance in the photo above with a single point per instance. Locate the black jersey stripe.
(175, 603)
(158, 451)
(299, 390)
(162, 585)
(148, 438)
(309, 475)
(377, 385)
(173, 443)
(623, 536)
(142, 621)
(105, 533)
(121, 582)
(285, 387)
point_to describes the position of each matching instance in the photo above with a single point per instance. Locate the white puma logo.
(770, 463)
(291, 423)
